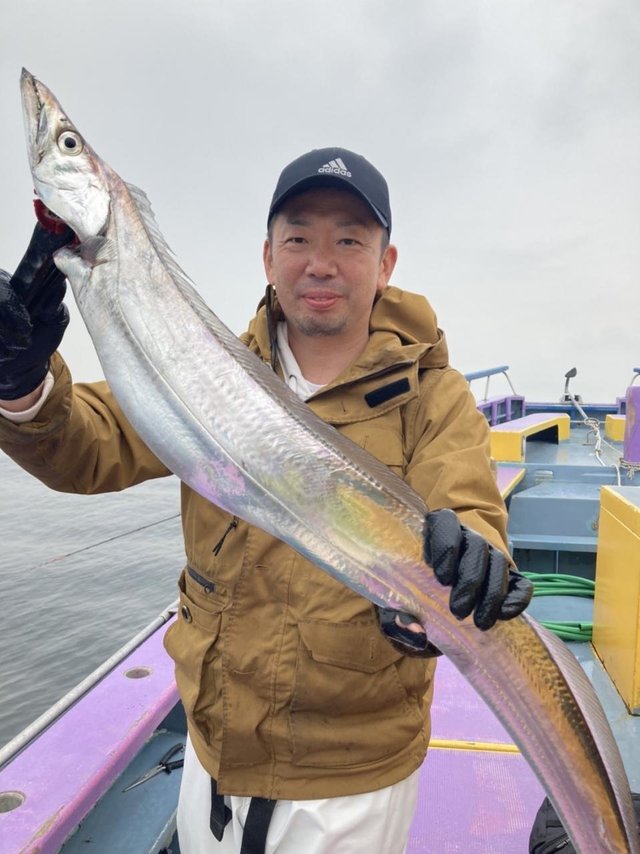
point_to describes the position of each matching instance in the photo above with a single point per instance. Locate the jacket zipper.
(558, 844)
(218, 546)
(207, 586)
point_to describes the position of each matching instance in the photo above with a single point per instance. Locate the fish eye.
(70, 142)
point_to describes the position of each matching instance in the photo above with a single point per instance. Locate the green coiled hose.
(556, 584)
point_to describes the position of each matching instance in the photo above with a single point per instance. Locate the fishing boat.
(100, 770)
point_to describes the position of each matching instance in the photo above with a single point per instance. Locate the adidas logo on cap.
(335, 167)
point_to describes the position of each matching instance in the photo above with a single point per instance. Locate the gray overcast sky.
(508, 132)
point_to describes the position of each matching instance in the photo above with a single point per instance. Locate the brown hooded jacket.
(289, 687)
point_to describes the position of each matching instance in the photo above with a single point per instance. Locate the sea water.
(79, 576)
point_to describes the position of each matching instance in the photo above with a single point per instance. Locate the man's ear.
(267, 260)
(387, 265)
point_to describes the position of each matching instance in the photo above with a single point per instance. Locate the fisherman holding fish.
(308, 707)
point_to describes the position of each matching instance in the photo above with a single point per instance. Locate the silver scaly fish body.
(230, 429)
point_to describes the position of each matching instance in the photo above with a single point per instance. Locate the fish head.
(68, 175)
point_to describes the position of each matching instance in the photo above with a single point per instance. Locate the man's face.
(327, 262)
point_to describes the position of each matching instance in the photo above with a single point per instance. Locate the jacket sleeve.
(80, 441)
(449, 458)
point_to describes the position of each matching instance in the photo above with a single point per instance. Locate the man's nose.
(321, 263)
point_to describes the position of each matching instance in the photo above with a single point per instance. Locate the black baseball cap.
(335, 167)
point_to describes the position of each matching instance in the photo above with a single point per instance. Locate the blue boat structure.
(570, 474)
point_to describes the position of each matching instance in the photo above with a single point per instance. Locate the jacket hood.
(410, 318)
(402, 326)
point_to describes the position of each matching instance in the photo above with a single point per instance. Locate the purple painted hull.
(72, 764)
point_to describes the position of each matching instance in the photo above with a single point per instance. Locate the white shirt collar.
(292, 373)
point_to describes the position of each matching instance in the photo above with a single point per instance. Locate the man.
(307, 724)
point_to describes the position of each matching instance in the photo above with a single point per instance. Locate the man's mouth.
(320, 302)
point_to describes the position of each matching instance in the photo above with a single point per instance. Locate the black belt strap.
(254, 837)
(256, 827)
(220, 815)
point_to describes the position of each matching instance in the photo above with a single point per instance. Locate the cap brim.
(313, 181)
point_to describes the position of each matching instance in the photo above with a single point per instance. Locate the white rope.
(631, 468)
(594, 427)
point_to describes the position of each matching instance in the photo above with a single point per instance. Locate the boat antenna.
(567, 397)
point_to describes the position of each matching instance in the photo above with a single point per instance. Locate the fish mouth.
(71, 186)
(34, 112)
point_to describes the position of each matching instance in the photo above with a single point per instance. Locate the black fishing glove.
(480, 578)
(479, 575)
(403, 639)
(33, 317)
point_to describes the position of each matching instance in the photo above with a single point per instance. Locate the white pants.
(375, 822)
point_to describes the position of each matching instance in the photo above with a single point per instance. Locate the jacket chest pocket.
(349, 705)
(192, 643)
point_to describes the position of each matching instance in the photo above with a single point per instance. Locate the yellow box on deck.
(614, 427)
(616, 610)
(507, 439)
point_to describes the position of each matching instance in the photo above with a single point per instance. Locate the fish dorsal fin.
(182, 281)
(148, 217)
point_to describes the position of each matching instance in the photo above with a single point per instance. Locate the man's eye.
(295, 239)
(350, 241)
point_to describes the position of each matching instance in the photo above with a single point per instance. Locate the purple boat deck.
(477, 792)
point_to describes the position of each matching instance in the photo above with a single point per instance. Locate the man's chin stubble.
(313, 328)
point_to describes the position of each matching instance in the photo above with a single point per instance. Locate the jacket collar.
(404, 340)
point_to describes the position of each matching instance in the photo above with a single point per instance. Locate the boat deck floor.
(477, 793)
(578, 450)
(475, 798)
